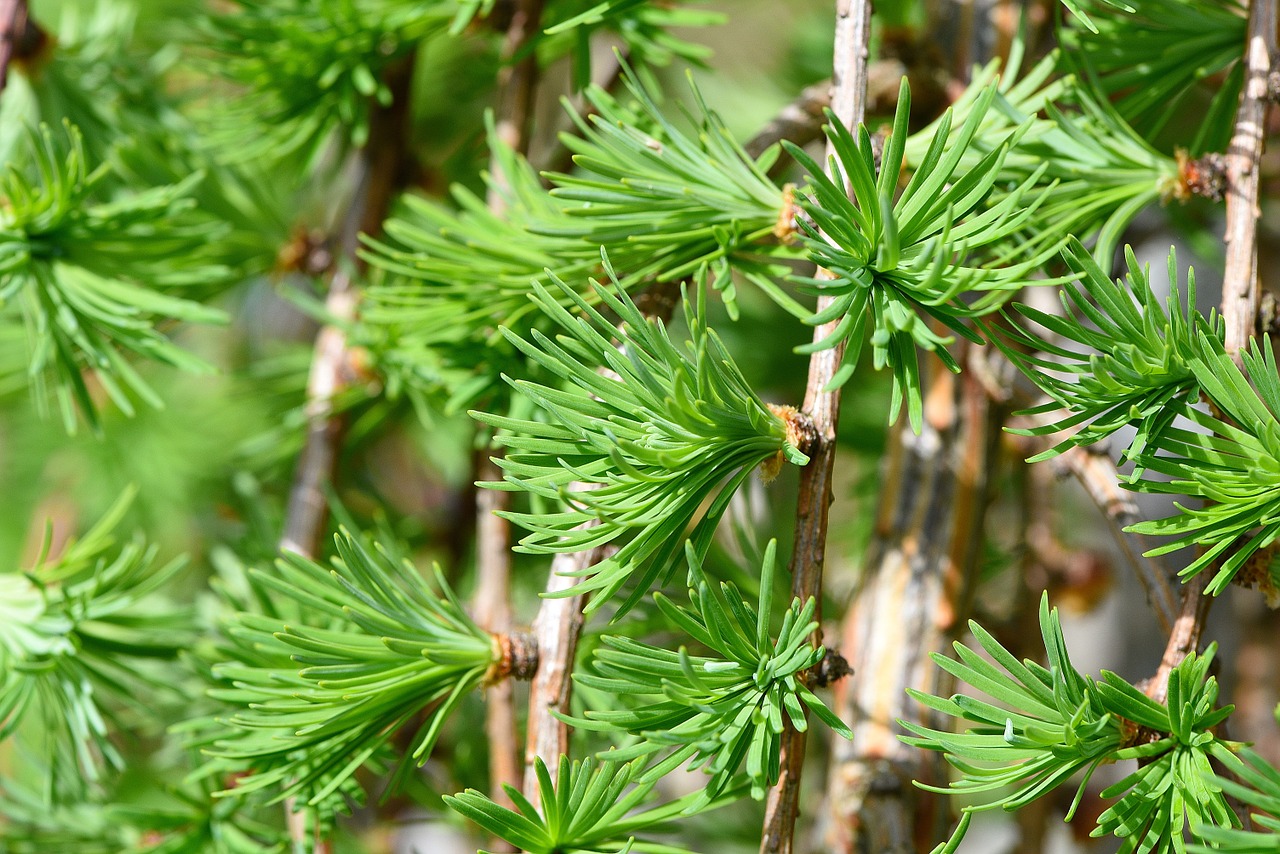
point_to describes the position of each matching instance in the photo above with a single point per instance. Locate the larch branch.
(848, 102)
(379, 168)
(517, 90)
(1240, 286)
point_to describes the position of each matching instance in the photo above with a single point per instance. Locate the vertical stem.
(1240, 288)
(1240, 292)
(493, 613)
(517, 88)
(379, 168)
(848, 97)
(556, 629)
(13, 21)
(558, 625)
(912, 592)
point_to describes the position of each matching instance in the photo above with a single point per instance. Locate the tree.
(600, 329)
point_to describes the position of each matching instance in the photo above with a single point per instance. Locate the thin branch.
(1096, 472)
(13, 24)
(1240, 291)
(1240, 287)
(493, 613)
(559, 623)
(517, 88)
(379, 168)
(848, 102)
(556, 630)
(799, 122)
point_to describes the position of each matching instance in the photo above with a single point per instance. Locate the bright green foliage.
(313, 67)
(1078, 9)
(455, 276)
(643, 27)
(1150, 57)
(897, 265)
(1048, 723)
(719, 709)
(378, 649)
(92, 277)
(32, 826)
(1134, 365)
(1170, 792)
(588, 810)
(184, 821)
(636, 455)
(1103, 173)
(665, 202)
(1095, 172)
(1235, 467)
(1259, 788)
(75, 634)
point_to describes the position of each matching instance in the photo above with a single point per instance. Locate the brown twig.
(1240, 292)
(379, 169)
(1240, 287)
(849, 81)
(556, 630)
(559, 623)
(493, 613)
(13, 22)
(380, 166)
(517, 87)
(1096, 472)
(799, 122)
(517, 91)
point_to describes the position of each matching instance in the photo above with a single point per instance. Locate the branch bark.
(1240, 286)
(556, 630)
(379, 167)
(13, 24)
(517, 87)
(848, 102)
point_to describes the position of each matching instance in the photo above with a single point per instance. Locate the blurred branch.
(517, 91)
(800, 121)
(379, 167)
(822, 407)
(13, 26)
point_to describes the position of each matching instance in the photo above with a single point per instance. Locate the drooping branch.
(849, 82)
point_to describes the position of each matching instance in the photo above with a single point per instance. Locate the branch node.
(519, 659)
(832, 668)
(1204, 176)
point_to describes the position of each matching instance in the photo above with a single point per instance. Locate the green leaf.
(658, 444)
(715, 710)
